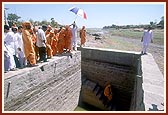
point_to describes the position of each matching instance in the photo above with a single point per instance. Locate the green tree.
(161, 23)
(12, 18)
(151, 23)
(54, 23)
(44, 22)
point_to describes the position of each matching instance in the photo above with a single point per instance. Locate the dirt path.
(129, 44)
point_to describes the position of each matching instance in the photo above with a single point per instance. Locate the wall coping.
(153, 84)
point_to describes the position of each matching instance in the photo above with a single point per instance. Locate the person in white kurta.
(19, 39)
(74, 36)
(19, 44)
(9, 44)
(146, 39)
(15, 40)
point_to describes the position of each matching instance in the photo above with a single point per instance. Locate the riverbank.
(112, 41)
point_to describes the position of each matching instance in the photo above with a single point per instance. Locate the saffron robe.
(61, 42)
(83, 36)
(68, 39)
(28, 47)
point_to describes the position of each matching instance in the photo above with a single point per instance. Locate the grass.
(158, 35)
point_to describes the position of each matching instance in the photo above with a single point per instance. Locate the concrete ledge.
(153, 84)
(51, 86)
(120, 57)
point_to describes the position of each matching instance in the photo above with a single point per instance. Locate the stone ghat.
(122, 79)
(51, 86)
(137, 81)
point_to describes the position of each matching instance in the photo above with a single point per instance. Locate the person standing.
(74, 36)
(41, 43)
(15, 41)
(61, 40)
(20, 40)
(28, 44)
(9, 49)
(55, 42)
(68, 38)
(49, 41)
(83, 36)
(146, 39)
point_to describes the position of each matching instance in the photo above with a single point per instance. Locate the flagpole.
(75, 18)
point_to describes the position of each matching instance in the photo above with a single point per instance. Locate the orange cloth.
(49, 39)
(47, 32)
(61, 41)
(34, 38)
(68, 38)
(108, 92)
(28, 47)
(55, 43)
(83, 36)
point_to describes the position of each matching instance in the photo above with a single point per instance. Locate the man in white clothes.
(41, 43)
(8, 42)
(19, 44)
(15, 41)
(146, 39)
(74, 36)
(20, 41)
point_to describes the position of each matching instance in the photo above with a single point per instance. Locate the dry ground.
(122, 43)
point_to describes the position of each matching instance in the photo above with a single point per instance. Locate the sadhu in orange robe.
(83, 35)
(28, 44)
(49, 39)
(55, 42)
(34, 37)
(68, 39)
(48, 30)
(61, 41)
(108, 92)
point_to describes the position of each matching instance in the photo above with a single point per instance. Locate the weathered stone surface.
(51, 86)
(56, 85)
(153, 85)
(134, 76)
(102, 66)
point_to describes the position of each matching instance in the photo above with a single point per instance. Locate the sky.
(98, 14)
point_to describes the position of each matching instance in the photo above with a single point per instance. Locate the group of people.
(27, 45)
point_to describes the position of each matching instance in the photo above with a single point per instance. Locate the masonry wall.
(136, 77)
(51, 86)
(153, 85)
(102, 66)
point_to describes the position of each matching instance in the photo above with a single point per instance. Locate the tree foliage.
(12, 18)
(54, 23)
(153, 24)
(161, 23)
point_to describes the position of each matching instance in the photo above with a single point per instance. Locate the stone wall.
(153, 85)
(102, 66)
(136, 77)
(149, 87)
(51, 86)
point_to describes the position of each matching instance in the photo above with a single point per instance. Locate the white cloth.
(9, 42)
(40, 37)
(147, 37)
(20, 42)
(74, 37)
(9, 47)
